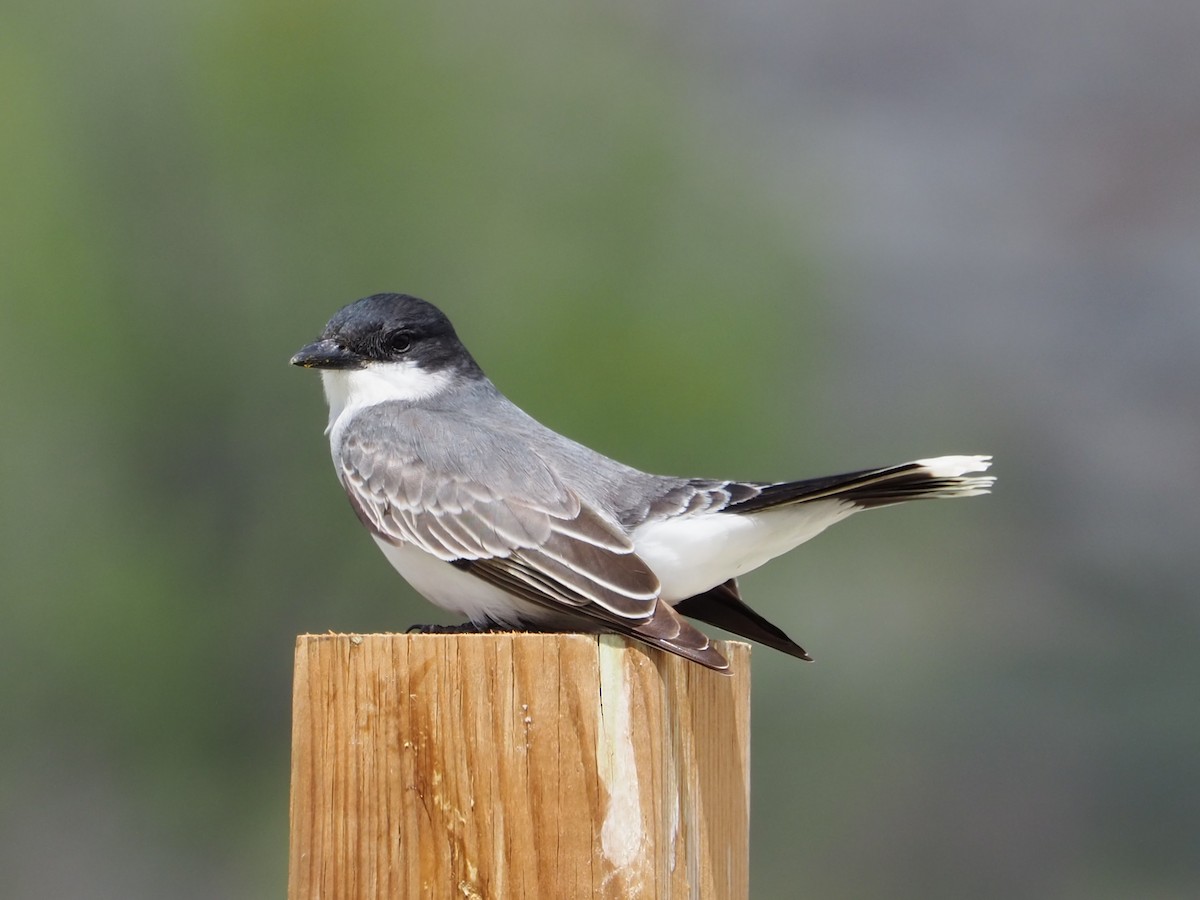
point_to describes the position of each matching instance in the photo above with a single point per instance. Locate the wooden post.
(516, 766)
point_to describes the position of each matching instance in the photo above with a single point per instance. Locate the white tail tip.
(955, 467)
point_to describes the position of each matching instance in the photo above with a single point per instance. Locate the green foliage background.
(191, 189)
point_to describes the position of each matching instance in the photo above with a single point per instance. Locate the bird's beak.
(326, 354)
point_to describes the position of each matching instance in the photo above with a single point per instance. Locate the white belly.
(459, 592)
(691, 555)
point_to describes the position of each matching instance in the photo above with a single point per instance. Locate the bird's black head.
(387, 328)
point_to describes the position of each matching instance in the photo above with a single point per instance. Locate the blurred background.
(753, 239)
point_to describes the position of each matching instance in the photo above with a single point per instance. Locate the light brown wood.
(516, 766)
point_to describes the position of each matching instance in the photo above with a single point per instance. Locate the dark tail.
(924, 479)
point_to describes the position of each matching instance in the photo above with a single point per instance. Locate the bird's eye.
(398, 341)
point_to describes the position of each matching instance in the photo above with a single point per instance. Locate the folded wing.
(417, 478)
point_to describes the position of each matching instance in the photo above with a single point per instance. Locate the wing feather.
(519, 526)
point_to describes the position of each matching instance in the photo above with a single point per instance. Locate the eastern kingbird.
(492, 515)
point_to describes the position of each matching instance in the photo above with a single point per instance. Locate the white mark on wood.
(468, 890)
(621, 834)
(693, 824)
(670, 785)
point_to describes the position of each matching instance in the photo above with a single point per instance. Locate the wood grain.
(516, 766)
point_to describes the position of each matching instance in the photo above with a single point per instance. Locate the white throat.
(349, 390)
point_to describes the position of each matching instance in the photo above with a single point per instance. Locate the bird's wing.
(465, 494)
(724, 607)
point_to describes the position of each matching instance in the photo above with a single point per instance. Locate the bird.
(503, 521)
